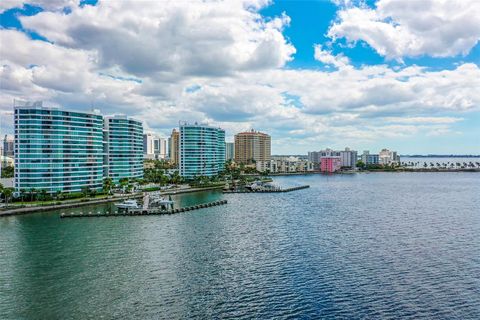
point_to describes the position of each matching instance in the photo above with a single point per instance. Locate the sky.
(403, 75)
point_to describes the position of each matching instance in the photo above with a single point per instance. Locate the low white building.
(284, 165)
(348, 157)
(386, 157)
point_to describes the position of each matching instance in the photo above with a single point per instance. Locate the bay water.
(370, 245)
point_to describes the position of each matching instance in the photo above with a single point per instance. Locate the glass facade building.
(57, 150)
(229, 151)
(202, 150)
(124, 148)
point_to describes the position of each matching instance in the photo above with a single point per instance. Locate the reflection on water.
(382, 245)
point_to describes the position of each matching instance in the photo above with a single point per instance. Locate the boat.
(260, 186)
(254, 185)
(128, 204)
(162, 202)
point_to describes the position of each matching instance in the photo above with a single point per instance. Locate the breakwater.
(268, 190)
(143, 212)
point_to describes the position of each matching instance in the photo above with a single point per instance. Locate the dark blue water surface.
(378, 246)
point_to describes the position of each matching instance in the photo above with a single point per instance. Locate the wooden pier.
(143, 212)
(266, 190)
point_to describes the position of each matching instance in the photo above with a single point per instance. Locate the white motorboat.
(161, 201)
(260, 186)
(128, 204)
(254, 185)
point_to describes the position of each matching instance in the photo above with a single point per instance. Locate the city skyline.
(316, 74)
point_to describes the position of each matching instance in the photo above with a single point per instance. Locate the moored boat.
(128, 204)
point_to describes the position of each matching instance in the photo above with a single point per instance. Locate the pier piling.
(141, 211)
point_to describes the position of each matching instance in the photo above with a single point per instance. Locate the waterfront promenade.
(82, 202)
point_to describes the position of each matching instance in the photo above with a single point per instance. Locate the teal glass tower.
(57, 150)
(202, 150)
(124, 148)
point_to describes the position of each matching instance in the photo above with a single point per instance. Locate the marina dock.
(268, 190)
(142, 211)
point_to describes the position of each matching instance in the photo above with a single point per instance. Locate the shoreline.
(83, 202)
(372, 171)
(76, 204)
(418, 170)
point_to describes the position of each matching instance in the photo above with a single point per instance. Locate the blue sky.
(313, 74)
(310, 23)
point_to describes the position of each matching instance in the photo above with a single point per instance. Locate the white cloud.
(397, 28)
(223, 64)
(48, 5)
(177, 38)
(424, 120)
(328, 58)
(8, 4)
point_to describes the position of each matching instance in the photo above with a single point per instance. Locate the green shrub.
(151, 189)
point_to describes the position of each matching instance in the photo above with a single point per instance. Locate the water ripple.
(376, 246)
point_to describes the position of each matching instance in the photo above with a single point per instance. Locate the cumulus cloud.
(177, 38)
(326, 57)
(397, 28)
(223, 63)
(49, 5)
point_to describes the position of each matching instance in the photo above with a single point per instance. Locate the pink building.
(330, 164)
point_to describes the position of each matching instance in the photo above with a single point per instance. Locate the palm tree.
(107, 185)
(43, 193)
(175, 178)
(7, 193)
(85, 191)
(123, 183)
(22, 194)
(33, 192)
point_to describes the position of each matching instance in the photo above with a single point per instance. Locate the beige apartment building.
(252, 146)
(174, 147)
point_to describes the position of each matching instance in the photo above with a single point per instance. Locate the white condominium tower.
(202, 150)
(64, 150)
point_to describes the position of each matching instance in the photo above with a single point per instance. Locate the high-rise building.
(252, 146)
(174, 147)
(124, 147)
(57, 150)
(8, 146)
(160, 148)
(148, 145)
(329, 153)
(314, 156)
(154, 147)
(229, 151)
(202, 150)
(349, 158)
(62, 150)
